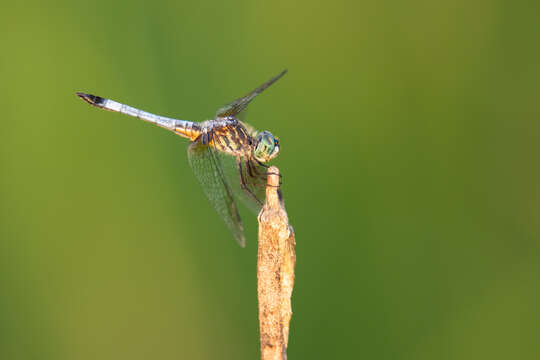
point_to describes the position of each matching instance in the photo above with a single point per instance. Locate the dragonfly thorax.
(228, 136)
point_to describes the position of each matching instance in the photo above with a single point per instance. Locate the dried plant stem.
(275, 272)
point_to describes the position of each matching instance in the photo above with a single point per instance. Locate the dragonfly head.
(266, 146)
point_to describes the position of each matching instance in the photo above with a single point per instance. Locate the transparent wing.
(248, 173)
(209, 172)
(240, 104)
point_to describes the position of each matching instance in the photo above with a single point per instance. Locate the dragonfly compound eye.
(266, 147)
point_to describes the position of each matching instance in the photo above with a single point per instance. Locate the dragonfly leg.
(262, 164)
(266, 173)
(265, 184)
(255, 174)
(251, 169)
(243, 183)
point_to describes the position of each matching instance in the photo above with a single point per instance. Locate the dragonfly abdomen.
(188, 129)
(183, 128)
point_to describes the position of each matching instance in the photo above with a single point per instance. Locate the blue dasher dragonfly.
(227, 155)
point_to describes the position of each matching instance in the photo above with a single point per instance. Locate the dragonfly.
(227, 155)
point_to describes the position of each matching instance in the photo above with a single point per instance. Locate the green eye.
(266, 146)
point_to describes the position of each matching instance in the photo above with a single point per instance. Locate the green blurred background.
(410, 137)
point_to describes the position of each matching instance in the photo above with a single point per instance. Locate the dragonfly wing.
(254, 192)
(209, 172)
(240, 104)
(253, 177)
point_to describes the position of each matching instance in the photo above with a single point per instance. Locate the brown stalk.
(275, 272)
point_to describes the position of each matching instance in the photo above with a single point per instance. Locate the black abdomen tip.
(91, 99)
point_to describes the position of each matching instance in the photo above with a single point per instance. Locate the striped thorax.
(227, 135)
